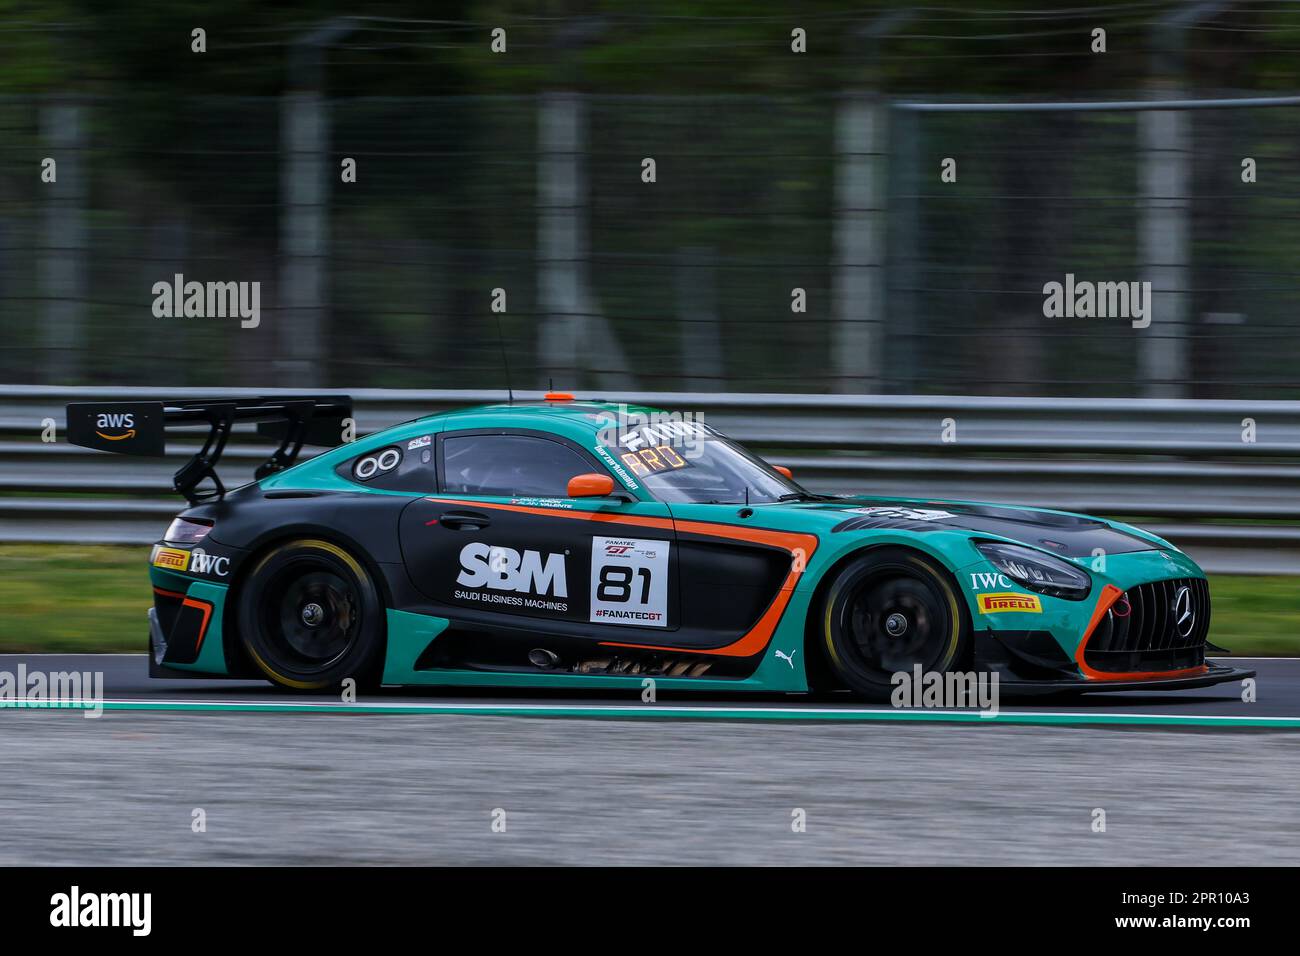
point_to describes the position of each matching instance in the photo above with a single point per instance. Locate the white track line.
(627, 709)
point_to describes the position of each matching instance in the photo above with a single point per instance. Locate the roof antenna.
(505, 360)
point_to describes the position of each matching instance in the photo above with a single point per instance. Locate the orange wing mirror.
(785, 471)
(592, 485)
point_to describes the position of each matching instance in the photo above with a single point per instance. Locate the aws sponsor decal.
(197, 561)
(126, 428)
(1003, 602)
(512, 578)
(115, 426)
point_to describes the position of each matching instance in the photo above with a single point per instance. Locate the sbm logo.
(124, 421)
(505, 569)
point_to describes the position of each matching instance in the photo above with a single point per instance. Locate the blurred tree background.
(182, 160)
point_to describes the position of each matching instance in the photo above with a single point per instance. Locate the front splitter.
(1214, 674)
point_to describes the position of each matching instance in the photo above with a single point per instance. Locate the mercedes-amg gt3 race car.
(571, 544)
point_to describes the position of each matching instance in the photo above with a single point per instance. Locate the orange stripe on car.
(665, 523)
(206, 608)
(799, 546)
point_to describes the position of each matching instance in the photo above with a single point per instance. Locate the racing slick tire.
(310, 617)
(888, 611)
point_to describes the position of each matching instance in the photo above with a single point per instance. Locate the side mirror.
(785, 471)
(591, 485)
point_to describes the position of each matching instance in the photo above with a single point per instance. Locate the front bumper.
(158, 652)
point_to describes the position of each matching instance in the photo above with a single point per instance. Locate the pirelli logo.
(173, 559)
(1006, 601)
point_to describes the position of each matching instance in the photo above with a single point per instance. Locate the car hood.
(1069, 535)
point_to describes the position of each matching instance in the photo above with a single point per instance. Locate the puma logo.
(788, 658)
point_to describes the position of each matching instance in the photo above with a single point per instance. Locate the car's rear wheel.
(311, 617)
(887, 612)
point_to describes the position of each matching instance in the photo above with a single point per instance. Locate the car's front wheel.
(310, 617)
(888, 611)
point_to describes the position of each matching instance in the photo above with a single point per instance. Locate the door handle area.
(461, 520)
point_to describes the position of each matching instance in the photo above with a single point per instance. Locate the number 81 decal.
(629, 581)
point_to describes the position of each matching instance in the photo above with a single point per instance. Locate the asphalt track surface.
(413, 785)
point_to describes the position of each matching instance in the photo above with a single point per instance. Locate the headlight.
(1037, 571)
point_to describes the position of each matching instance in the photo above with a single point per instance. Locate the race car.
(586, 544)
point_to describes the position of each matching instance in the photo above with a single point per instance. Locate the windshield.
(704, 468)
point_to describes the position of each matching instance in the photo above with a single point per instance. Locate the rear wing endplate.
(139, 428)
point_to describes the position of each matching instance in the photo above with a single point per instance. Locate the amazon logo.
(121, 422)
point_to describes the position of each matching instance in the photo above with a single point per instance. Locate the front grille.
(1147, 628)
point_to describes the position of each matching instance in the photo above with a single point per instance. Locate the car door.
(737, 576)
(500, 542)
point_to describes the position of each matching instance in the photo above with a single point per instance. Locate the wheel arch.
(820, 674)
(237, 661)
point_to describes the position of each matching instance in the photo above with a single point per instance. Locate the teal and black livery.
(564, 543)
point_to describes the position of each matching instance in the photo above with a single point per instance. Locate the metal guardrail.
(1182, 468)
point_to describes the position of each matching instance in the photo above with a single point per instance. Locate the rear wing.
(139, 428)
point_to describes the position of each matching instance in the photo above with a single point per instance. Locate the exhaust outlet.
(542, 658)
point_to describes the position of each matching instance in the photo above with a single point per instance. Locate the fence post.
(697, 315)
(860, 122)
(1164, 358)
(907, 321)
(304, 237)
(559, 173)
(1163, 355)
(304, 195)
(62, 257)
(573, 331)
(168, 252)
